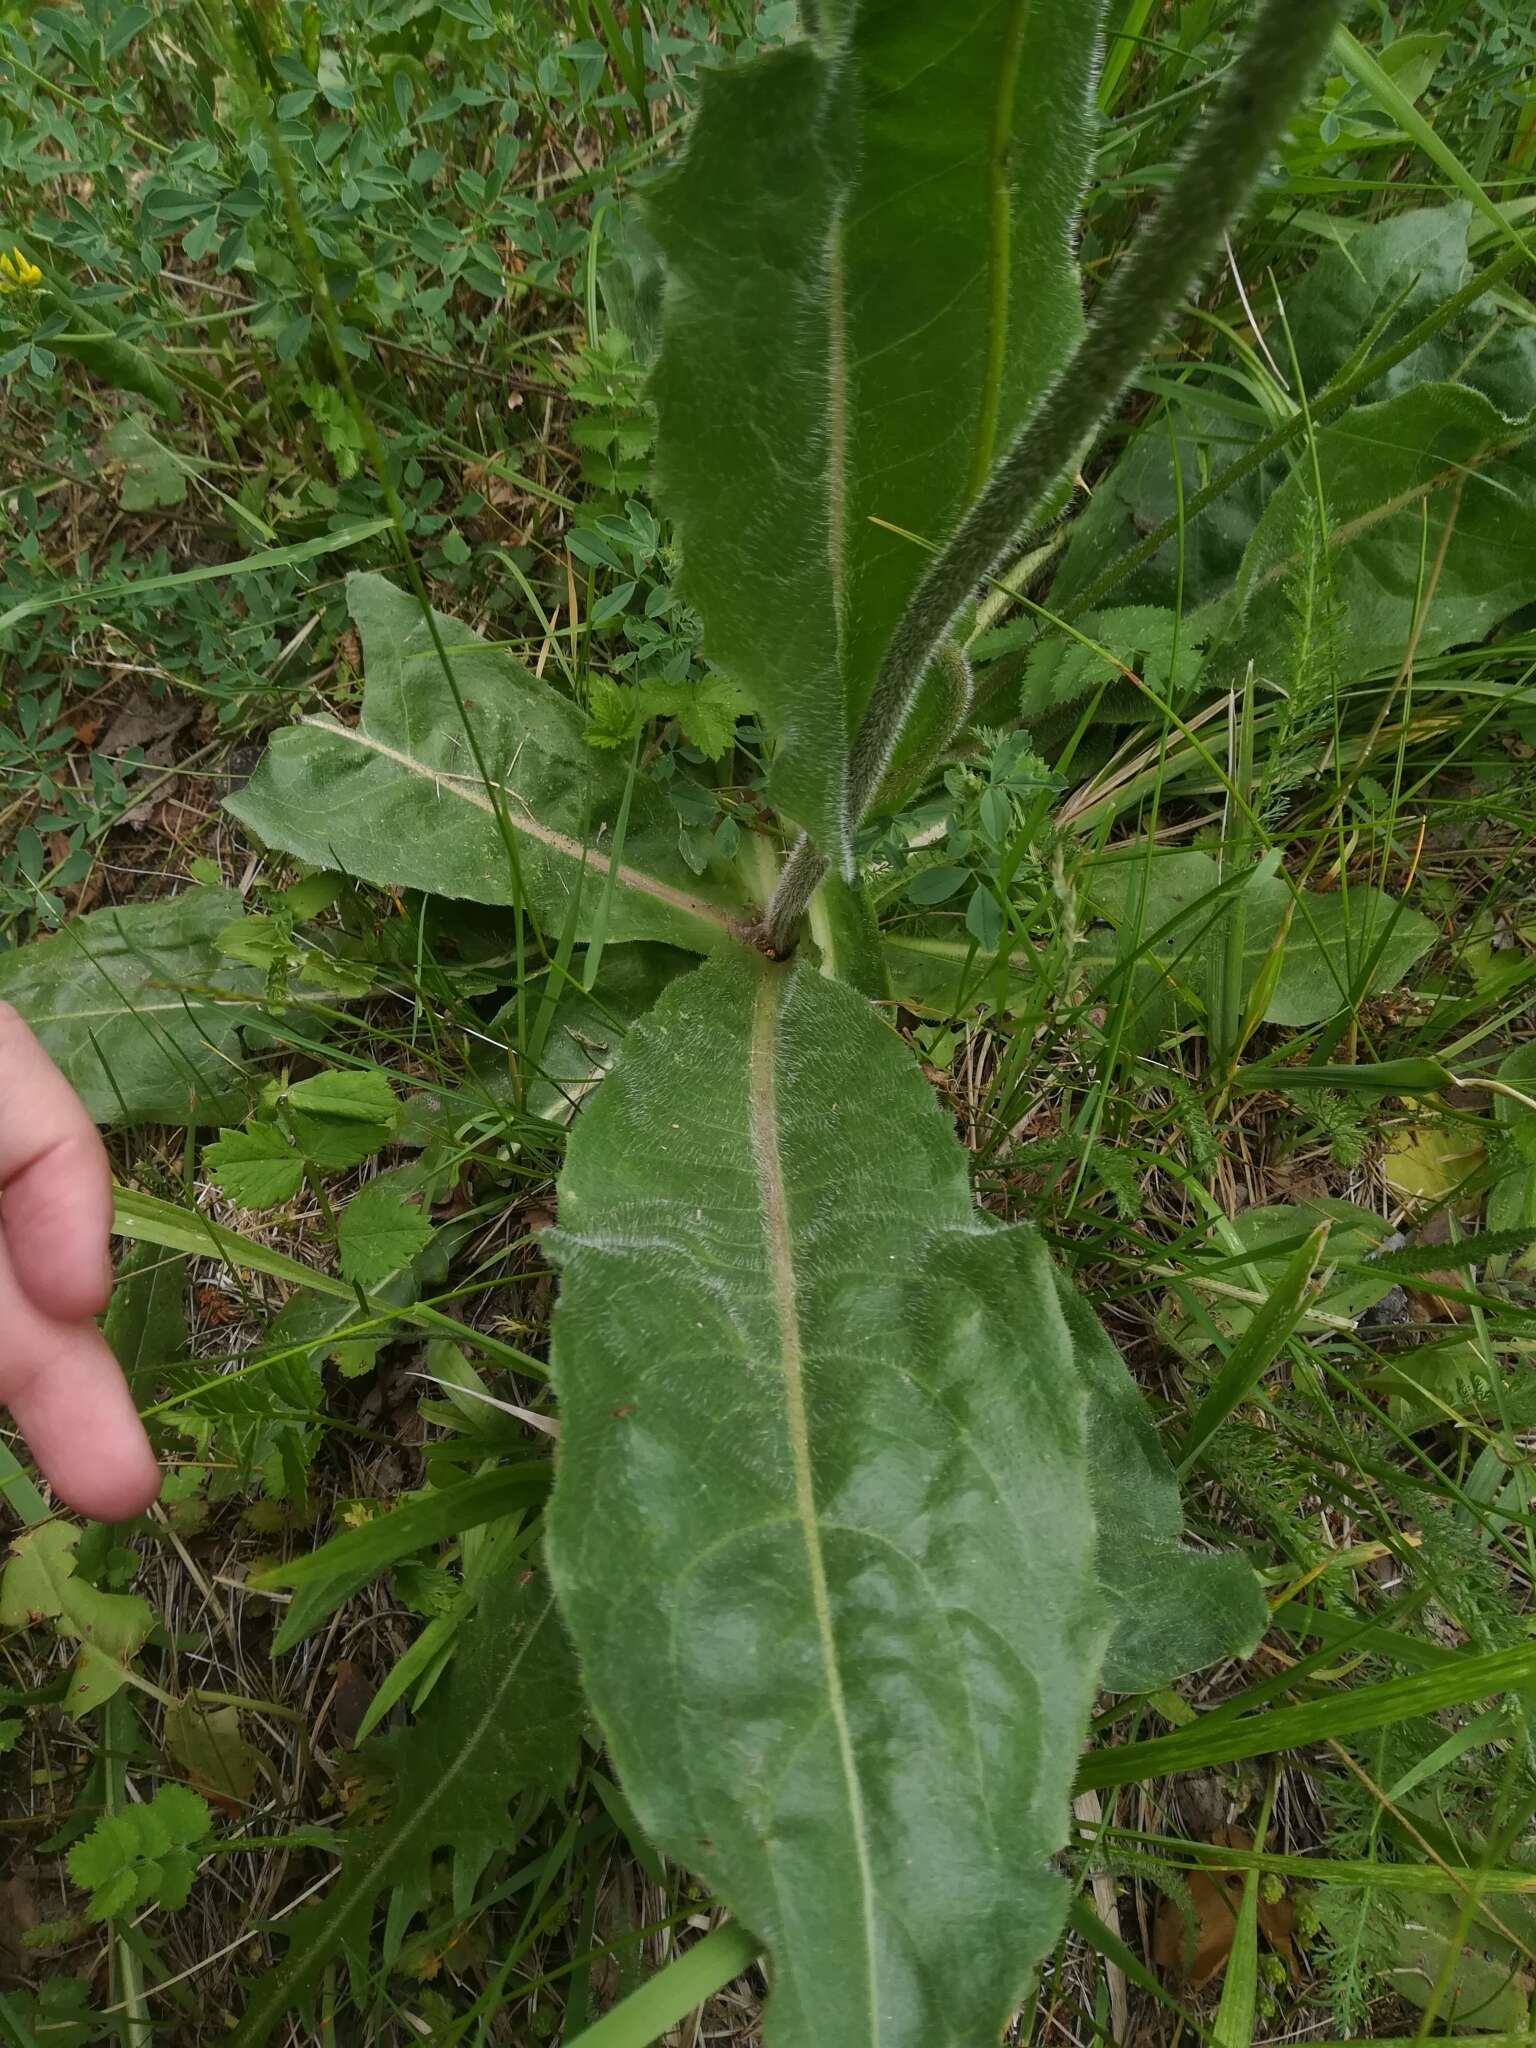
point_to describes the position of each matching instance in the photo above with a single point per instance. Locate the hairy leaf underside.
(397, 798)
(869, 284)
(825, 1528)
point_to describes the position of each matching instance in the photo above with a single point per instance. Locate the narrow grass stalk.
(678, 1990)
(1348, 1711)
(1238, 2011)
(1228, 154)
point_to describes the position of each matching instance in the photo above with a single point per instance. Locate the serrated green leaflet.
(256, 1167)
(395, 799)
(379, 1234)
(340, 1117)
(869, 283)
(141, 1010)
(838, 1425)
(144, 1855)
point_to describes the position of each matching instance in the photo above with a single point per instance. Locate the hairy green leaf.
(1338, 947)
(141, 1010)
(152, 475)
(836, 1421)
(1384, 278)
(396, 798)
(146, 1323)
(1175, 1610)
(1512, 1198)
(869, 283)
(504, 1723)
(119, 364)
(1476, 1970)
(937, 966)
(1389, 276)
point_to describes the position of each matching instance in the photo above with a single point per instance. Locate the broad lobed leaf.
(1339, 945)
(40, 1582)
(1175, 1610)
(396, 799)
(505, 1722)
(1440, 454)
(869, 284)
(1169, 912)
(843, 1608)
(1435, 475)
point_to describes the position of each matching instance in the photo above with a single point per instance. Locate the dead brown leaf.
(19, 1912)
(494, 485)
(1197, 1955)
(349, 1702)
(1423, 1290)
(1214, 1899)
(143, 720)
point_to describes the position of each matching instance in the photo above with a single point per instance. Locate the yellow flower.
(17, 274)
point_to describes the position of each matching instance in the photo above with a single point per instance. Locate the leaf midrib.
(1351, 530)
(545, 835)
(999, 251)
(186, 1005)
(762, 1099)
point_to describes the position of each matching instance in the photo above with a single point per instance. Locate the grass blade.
(674, 1992)
(1367, 72)
(264, 564)
(1415, 1076)
(1256, 1350)
(1337, 1715)
(326, 1577)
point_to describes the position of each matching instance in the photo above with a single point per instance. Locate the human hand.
(57, 1376)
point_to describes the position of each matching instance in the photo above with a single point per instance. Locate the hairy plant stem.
(1225, 160)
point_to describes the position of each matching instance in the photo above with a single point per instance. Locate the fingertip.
(55, 1180)
(58, 1223)
(73, 1406)
(116, 1487)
